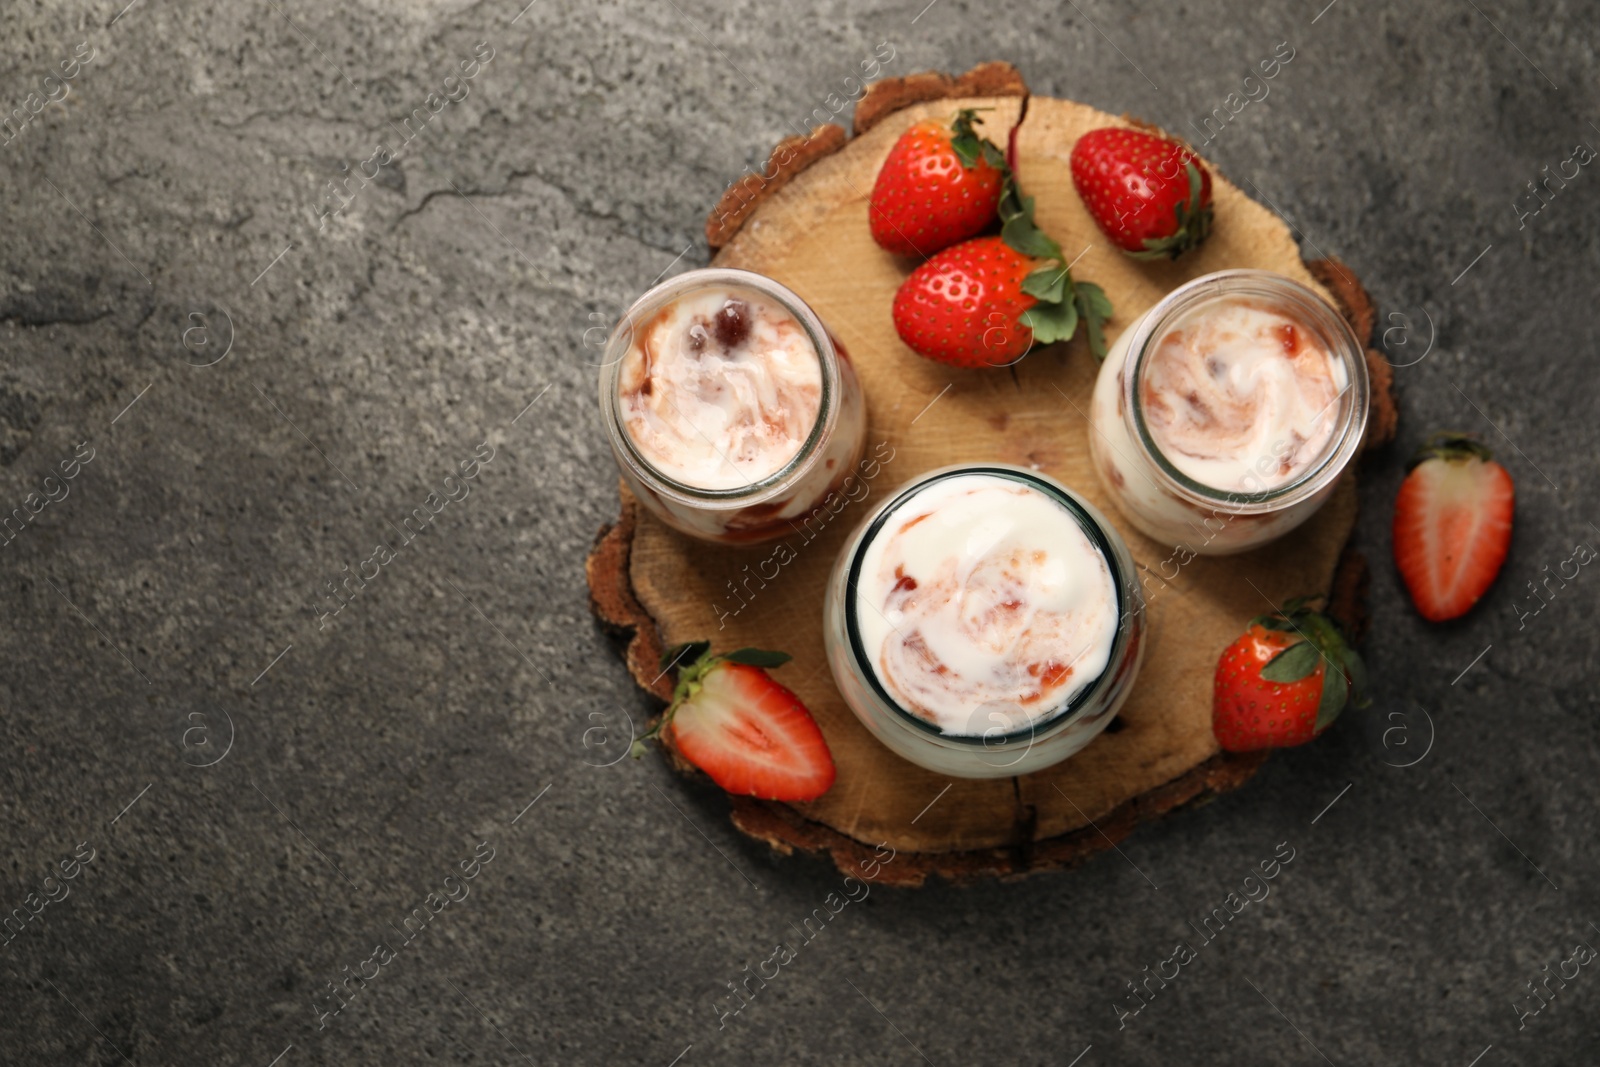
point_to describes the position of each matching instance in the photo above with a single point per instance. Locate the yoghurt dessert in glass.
(731, 410)
(984, 622)
(1223, 417)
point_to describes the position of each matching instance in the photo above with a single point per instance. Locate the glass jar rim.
(656, 297)
(1309, 309)
(1092, 526)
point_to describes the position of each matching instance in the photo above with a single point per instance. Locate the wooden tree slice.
(806, 226)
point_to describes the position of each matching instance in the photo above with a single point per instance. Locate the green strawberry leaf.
(1335, 690)
(969, 146)
(1021, 233)
(683, 655)
(1011, 203)
(1345, 679)
(1319, 628)
(1051, 322)
(757, 657)
(1049, 284)
(1094, 307)
(1157, 248)
(1355, 668)
(967, 149)
(1097, 298)
(1296, 604)
(1292, 664)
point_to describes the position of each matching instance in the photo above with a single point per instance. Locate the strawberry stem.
(1062, 303)
(969, 146)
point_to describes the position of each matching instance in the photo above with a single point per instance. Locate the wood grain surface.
(811, 234)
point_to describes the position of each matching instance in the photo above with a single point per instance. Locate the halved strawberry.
(939, 185)
(1452, 525)
(750, 734)
(1284, 681)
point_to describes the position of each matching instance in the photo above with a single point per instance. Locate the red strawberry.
(750, 734)
(1284, 681)
(984, 304)
(1151, 196)
(940, 185)
(962, 306)
(1452, 525)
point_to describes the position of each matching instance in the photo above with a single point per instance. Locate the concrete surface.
(265, 790)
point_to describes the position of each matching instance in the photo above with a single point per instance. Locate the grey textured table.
(253, 791)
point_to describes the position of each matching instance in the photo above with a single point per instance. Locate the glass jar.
(763, 504)
(1281, 483)
(1038, 577)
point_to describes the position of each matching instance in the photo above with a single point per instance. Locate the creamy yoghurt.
(982, 605)
(734, 414)
(1224, 415)
(720, 388)
(1238, 396)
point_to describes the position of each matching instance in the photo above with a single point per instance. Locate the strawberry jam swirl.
(720, 389)
(983, 606)
(1239, 397)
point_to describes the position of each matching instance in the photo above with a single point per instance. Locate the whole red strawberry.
(1284, 681)
(963, 306)
(1452, 525)
(984, 304)
(1149, 195)
(940, 185)
(750, 734)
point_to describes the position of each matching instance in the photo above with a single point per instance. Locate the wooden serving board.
(804, 223)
